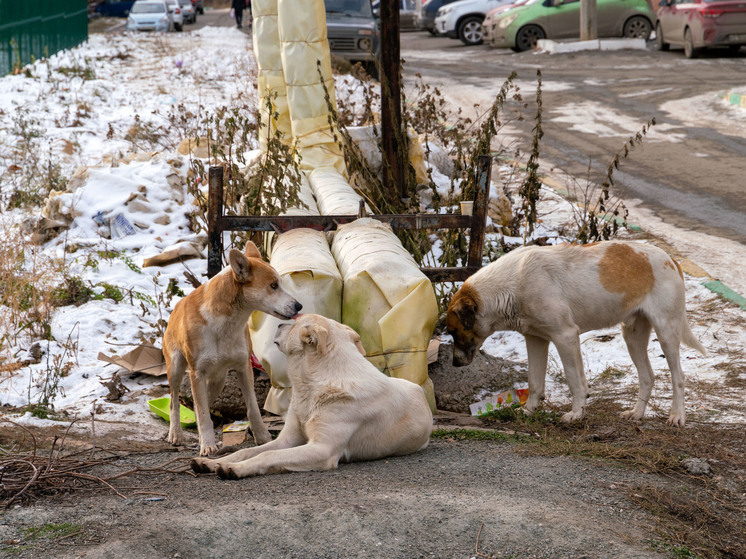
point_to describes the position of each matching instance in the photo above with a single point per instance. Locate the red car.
(701, 24)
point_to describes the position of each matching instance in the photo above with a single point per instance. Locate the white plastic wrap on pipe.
(270, 75)
(387, 300)
(304, 262)
(334, 195)
(306, 63)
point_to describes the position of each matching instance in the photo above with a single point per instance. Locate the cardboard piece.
(235, 433)
(142, 359)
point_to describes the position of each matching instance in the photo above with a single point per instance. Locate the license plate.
(737, 38)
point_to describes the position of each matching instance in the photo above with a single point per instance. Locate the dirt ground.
(507, 488)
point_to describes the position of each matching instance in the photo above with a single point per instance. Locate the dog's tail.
(688, 338)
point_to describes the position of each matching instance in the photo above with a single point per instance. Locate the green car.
(521, 26)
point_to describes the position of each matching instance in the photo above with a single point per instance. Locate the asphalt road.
(691, 170)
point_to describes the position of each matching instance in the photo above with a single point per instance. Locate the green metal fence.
(38, 28)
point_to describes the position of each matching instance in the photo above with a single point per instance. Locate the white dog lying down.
(555, 293)
(342, 407)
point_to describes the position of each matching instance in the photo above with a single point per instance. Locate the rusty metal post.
(479, 213)
(214, 225)
(391, 131)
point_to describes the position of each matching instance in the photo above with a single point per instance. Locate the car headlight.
(443, 11)
(507, 20)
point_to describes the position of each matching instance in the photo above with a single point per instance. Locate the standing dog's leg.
(636, 332)
(246, 382)
(538, 350)
(669, 336)
(202, 408)
(175, 367)
(568, 347)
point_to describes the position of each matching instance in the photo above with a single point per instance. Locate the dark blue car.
(114, 8)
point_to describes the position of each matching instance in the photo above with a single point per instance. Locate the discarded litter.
(235, 433)
(121, 227)
(161, 408)
(143, 359)
(496, 401)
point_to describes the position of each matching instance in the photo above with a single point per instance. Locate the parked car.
(489, 20)
(176, 16)
(407, 11)
(188, 10)
(463, 19)
(149, 15)
(424, 19)
(519, 28)
(353, 32)
(198, 6)
(114, 8)
(701, 24)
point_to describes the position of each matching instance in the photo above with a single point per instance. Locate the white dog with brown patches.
(208, 332)
(555, 293)
(342, 407)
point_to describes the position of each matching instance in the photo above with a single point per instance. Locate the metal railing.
(217, 223)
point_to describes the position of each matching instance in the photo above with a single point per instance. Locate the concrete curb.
(689, 267)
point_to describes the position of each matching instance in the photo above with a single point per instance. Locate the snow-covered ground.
(80, 105)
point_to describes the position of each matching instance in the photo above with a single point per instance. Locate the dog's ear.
(251, 251)
(240, 265)
(466, 312)
(355, 337)
(315, 336)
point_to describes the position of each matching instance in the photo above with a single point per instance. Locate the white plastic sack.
(309, 273)
(387, 300)
(334, 195)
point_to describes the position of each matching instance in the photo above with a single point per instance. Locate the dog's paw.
(207, 449)
(676, 419)
(571, 416)
(632, 415)
(201, 466)
(225, 472)
(176, 439)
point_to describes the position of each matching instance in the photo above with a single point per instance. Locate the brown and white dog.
(208, 332)
(555, 293)
(342, 407)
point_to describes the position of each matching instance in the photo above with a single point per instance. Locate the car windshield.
(185, 2)
(349, 7)
(147, 8)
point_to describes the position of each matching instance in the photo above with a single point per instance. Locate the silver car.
(149, 15)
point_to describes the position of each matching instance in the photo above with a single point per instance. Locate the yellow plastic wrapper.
(387, 300)
(307, 69)
(309, 273)
(270, 74)
(334, 195)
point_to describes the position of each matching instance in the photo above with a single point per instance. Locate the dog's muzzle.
(463, 357)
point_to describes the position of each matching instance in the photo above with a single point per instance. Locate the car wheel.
(637, 27)
(178, 27)
(527, 36)
(689, 49)
(470, 30)
(659, 42)
(432, 32)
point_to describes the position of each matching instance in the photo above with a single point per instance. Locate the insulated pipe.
(270, 76)
(306, 63)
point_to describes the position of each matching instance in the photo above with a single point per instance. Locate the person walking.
(238, 8)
